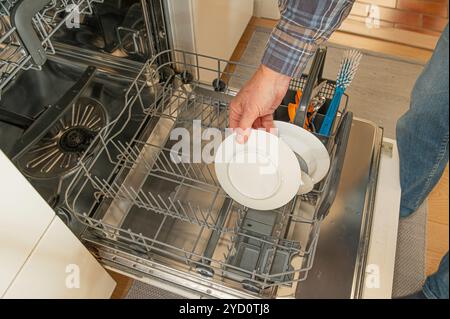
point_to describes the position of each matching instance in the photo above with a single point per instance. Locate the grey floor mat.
(140, 290)
(409, 274)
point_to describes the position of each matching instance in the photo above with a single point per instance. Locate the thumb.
(245, 125)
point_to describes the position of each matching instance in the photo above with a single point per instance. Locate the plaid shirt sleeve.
(304, 25)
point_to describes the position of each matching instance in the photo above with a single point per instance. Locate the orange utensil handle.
(292, 110)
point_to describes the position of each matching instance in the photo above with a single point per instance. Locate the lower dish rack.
(153, 202)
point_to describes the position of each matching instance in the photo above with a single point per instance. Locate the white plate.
(307, 185)
(308, 147)
(262, 174)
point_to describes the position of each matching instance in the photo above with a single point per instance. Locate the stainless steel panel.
(340, 260)
(181, 28)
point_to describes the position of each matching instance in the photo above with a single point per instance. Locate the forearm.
(304, 25)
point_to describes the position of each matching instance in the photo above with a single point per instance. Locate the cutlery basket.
(306, 84)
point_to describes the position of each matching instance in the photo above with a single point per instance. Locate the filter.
(59, 152)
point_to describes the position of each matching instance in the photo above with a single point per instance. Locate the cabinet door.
(24, 217)
(267, 9)
(208, 27)
(218, 27)
(61, 267)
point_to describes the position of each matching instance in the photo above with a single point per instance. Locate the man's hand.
(255, 104)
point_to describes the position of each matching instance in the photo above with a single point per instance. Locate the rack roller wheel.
(250, 286)
(205, 271)
(166, 74)
(219, 85)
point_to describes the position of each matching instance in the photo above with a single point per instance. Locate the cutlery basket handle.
(314, 77)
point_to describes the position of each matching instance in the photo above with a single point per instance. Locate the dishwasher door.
(356, 251)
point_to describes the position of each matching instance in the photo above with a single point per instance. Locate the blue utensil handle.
(327, 124)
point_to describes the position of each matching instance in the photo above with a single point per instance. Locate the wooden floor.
(123, 285)
(438, 218)
(343, 38)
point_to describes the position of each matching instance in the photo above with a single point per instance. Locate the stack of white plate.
(265, 173)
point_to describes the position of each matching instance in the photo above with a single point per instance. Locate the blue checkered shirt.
(304, 25)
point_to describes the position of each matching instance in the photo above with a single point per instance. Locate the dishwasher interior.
(32, 89)
(108, 165)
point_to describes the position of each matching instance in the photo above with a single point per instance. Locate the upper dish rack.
(18, 49)
(136, 147)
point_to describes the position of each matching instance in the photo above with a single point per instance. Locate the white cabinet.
(39, 256)
(61, 267)
(24, 217)
(209, 27)
(267, 9)
(219, 25)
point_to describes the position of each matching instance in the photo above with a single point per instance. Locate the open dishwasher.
(104, 161)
